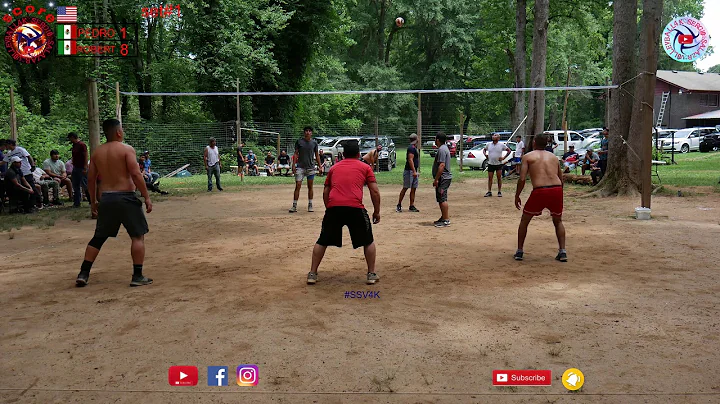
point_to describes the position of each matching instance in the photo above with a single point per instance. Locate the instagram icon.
(247, 375)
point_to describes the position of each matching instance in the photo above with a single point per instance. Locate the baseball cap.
(413, 138)
(15, 159)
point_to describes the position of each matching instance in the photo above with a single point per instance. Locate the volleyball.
(399, 21)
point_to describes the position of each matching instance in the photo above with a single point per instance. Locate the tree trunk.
(381, 29)
(617, 178)
(536, 103)
(519, 64)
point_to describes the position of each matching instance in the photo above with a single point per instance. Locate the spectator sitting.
(570, 159)
(327, 164)
(17, 187)
(252, 163)
(56, 169)
(3, 163)
(154, 177)
(589, 162)
(283, 163)
(270, 164)
(151, 186)
(69, 168)
(43, 183)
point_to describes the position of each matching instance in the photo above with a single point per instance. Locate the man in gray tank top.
(305, 157)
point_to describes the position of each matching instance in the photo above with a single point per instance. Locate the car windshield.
(479, 146)
(682, 133)
(370, 143)
(327, 142)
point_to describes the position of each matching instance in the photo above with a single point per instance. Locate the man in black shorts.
(115, 162)
(494, 153)
(342, 196)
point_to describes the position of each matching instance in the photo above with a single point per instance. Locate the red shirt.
(346, 180)
(78, 155)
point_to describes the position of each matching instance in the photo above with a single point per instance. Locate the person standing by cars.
(79, 174)
(241, 161)
(603, 153)
(517, 158)
(410, 175)
(493, 151)
(442, 178)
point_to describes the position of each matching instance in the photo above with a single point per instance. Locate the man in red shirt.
(343, 196)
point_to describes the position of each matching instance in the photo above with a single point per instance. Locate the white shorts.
(281, 166)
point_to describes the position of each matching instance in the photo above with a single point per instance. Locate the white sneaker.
(310, 208)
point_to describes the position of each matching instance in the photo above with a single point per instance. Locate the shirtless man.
(546, 177)
(115, 162)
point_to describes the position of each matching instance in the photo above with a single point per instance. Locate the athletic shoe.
(488, 194)
(518, 256)
(140, 281)
(310, 208)
(293, 209)
(413, 209)
(499, 194)
(82, 279)
(312, 278)
(58, 203)
(209, 190)
(398, 208)
(442, 223)
(372, 278)
(562, 257)
(220, 189)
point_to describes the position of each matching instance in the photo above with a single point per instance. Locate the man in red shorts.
(343, 202)
(546, 177)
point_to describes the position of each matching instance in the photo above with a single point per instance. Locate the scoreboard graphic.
(97, 40)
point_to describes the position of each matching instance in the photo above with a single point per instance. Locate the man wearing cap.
(17, 186)
(410, 175)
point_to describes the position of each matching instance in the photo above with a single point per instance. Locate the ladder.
(661, 114)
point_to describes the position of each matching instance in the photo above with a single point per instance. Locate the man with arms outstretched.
(546, 177)
(343, 196)
(121, 176)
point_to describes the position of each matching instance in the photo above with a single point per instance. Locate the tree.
(628, 122)
(519, 64)
(714, 69)
(536, 103)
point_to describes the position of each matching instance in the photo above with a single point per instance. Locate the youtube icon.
(522, 377)
(183, 376)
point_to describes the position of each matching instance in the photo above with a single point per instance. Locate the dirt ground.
(635, 308)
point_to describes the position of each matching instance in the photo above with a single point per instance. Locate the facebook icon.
(217, 376)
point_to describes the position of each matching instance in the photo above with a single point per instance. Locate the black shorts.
(241, 163)
(494, 167)
(441, 190)
(116, 208)
(357, 221)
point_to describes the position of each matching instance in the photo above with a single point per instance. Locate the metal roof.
(707, 115)
(691, 81)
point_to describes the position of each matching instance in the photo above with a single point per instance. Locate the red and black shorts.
(357, 221)
(541, 198)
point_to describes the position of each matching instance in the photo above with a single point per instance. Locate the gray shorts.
(301, 173)
(442, 190)
(408, 180)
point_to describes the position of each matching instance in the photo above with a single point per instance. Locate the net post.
(564, 120)
(93, 115)
(462, 126)
(13, 116)
(419, 126)
(376, 164)
(118, 105)
(278, 145)
(237, 112)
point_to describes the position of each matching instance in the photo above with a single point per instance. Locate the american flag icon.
(66, 14)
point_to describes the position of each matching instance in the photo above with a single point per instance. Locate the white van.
(574, 139)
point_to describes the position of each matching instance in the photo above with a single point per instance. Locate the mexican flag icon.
(67, 37)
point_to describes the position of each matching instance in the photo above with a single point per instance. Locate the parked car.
(387, 158)
(452, 146)
(594, 146)
(574, 139)
(686, 140)
(331, 147)
(475, 158)
(710, 142)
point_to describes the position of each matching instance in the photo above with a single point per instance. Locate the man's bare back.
(543, 168)
(115, 163)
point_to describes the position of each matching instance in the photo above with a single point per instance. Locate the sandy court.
(636, 308)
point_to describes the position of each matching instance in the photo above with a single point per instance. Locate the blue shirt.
(604, 147)
(147, 164)
(3, 167)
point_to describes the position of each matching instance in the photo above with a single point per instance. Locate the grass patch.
(43, 219)
(692, 170)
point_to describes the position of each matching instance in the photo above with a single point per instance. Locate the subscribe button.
(522, 378)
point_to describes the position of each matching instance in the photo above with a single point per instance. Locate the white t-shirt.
(23, 154)
(213, 155)
(519, 148)
(495, 152)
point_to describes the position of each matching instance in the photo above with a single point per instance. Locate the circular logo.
(573, 379)
(685, 39)
(29, 40)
